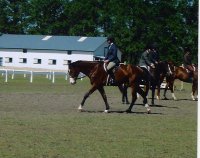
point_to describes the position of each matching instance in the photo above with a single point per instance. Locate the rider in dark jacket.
(187, 60)
(149, 58)
(111, 58)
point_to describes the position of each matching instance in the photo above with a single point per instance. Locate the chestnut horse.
(98, 77)
(179, 72)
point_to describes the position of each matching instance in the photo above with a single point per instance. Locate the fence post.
(13, 74)
(66, 76)
(6, 76)
(53, 77)
(31, 77)
(50, 75)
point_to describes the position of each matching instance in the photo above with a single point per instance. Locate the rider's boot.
(113, 81)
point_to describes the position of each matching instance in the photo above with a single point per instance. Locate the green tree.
(13, 16)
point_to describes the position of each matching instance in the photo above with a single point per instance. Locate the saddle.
(110, 81)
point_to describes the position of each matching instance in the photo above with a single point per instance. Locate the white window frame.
(51, 62)
(37, 61)
(8, 60)
(23, 60)
(66, 62)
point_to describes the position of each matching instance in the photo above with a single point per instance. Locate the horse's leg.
(158, 93)
(103, 94)
(153, 87)
(134, 97)
(86, 96)
(194, 88)
(143, 94)
(123, 89)
(171, 87)
(165, 91)
(158, 87)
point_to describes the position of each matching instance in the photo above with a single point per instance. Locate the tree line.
(172, 24)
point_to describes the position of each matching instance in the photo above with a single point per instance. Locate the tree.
(13, 16)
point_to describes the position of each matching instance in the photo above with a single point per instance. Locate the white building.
(49, 52)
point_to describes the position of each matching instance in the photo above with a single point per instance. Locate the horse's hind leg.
(123, 89)
(194, 89)
(145, 102)
(103, 94)
(134, 97)
(153, 94)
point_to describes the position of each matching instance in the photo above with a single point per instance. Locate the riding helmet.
(110, 38)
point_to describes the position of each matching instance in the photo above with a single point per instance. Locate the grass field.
(40, 120)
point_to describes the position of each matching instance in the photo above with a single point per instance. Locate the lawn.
(40, 120)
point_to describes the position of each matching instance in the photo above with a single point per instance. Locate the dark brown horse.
(156, 76)
(98, 78)
(179, 72)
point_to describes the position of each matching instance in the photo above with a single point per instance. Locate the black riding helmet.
(152, 46)
(187, 49)
(110, 38)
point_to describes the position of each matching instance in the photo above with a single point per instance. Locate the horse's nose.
(72, 80)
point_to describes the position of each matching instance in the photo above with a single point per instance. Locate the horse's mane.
(78, 62)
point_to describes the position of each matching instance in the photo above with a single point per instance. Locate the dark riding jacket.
(145, 59)
(112, 53)
(154, 57)
(187, 60)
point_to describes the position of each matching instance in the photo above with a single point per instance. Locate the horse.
(95, 71)
(156, 76)
(181, 73)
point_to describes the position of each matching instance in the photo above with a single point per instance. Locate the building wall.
(46, 59)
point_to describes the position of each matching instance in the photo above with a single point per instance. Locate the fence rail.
(49, 74)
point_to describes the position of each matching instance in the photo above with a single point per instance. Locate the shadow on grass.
(120, 112)
(187, 100)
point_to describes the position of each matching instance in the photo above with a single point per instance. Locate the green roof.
(48, 42)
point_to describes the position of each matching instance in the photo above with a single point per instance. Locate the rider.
(154, 56)
(187, 60)
(111, 58)
(149, 58)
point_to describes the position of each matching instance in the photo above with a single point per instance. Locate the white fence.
(49, 74)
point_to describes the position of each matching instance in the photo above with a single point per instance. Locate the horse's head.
(73, 71)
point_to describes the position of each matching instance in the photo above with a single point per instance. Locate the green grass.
(40, 120)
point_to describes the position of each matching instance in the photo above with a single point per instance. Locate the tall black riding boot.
(113, 81)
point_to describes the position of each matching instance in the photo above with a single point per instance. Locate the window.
(66, 62)
(8, 60)
(37, 61)
(69, 52)
(22, 60)
(99, 58)
(52, 62)
(24, 50)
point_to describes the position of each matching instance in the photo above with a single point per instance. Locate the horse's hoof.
(158, 97)
(106, 111)
(127, 102)
(81, 110)
(165, 98)
(128, 111)
(149, 111)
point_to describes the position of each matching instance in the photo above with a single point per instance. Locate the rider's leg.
(109, 70)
